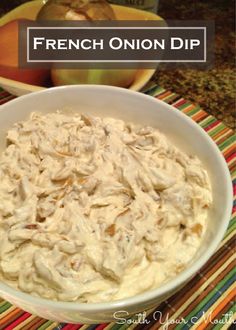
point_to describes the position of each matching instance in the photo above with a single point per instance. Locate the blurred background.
(213, 89)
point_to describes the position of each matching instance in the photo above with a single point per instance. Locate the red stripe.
(230, 151)
(76, 326)
(228, 159)
(160, 95)
(68, 327)
(102, 326)
(212, 125)
(3, 94)
(179, 103)
(234, 189)
(226, 136)
(18, 321)
(6, 100)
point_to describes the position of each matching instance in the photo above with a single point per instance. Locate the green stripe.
(207, 121)
(232, 220)
(184, 106)
(216, 130)
(226, 235)
(120, 326)
(212, 129)
(45, 325)
(155, 91)
(125, 326)
(5, 307)
(230, 231)
(208, 297)
(226, 318)
(2, 303)
(231, 228)
(134, 320)
(227, 142)
(160, 90)
(168, 98)
(171, 98)
(192, 112)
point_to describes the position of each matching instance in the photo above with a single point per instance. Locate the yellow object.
(30, 10)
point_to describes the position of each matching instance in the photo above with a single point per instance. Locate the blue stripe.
(60, 326)
(92, 327)
(210, 303)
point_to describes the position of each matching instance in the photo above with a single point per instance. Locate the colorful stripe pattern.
(208, 300)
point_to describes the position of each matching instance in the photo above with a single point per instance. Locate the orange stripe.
(227, 151)
(34, 323)
(164, 95)
(227, 299)
(215, 136)
(10, 315)
(189, 108)
(224, 137)
(167, 96)
(199, 115)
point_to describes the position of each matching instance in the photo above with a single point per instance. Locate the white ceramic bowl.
(135, 107)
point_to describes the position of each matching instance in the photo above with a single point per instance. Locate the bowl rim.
(181, 278)
(21, 85)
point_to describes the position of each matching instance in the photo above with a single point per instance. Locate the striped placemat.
(208, 300)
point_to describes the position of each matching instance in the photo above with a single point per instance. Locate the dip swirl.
(94, 209)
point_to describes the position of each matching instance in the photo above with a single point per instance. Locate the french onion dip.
(94, 209)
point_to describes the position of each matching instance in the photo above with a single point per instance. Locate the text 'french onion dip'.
(93, 209)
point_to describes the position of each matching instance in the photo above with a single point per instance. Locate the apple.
(9, 67)
(87, 10)
(113, 77)
(76, 10)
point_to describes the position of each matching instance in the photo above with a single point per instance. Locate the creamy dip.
(94, 209)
